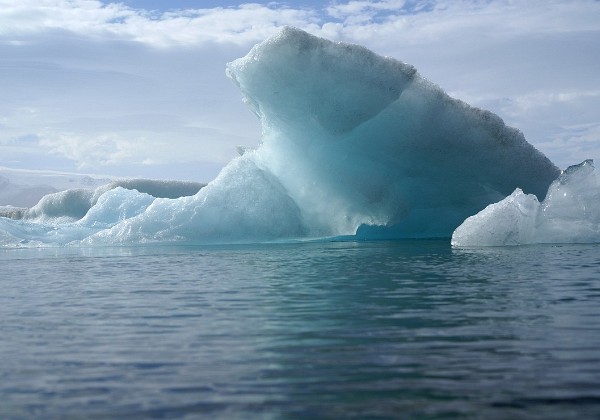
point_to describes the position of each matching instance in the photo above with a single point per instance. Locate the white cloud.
(564, 124)
(91, 18)
(467, 21)
(525, 103)
(90, 151)
(360, 12)
(103, 85)
(573, 144)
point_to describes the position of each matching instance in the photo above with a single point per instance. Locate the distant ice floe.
(69, 216)
(20, 188)
(570, 213)
(73, 204)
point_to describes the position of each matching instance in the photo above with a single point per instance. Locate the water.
(312, 330)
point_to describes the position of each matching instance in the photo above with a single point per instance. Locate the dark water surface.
(319, 330)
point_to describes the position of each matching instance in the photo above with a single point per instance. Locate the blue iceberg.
(353, 144)
(361, 141)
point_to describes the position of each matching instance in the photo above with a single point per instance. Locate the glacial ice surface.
(353, 144)
(363, 144)
(570, 213)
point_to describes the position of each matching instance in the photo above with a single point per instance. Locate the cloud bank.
(103, 87)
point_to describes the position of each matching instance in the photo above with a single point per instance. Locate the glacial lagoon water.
(410, 329)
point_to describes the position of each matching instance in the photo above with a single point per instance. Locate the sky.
(138, 88)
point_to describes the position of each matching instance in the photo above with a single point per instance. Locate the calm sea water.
(313, 330)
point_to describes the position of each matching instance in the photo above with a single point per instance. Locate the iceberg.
(59, 225)
(353, 144)
(364, 143)
(69, 216)
(243, 204)
(570, 213)
(73, 204)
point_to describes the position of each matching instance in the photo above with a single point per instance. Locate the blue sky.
(138, 88)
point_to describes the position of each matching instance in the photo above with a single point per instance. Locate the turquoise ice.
(354, 144)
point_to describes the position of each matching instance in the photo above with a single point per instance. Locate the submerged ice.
(353, 144)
